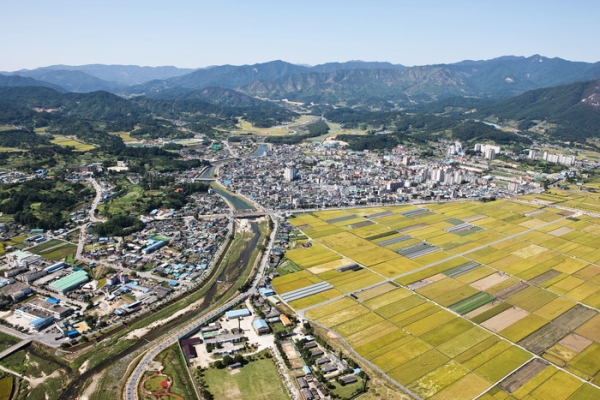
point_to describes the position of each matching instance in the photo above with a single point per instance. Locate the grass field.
(258, 379)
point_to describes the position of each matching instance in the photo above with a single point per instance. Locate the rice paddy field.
(460, 300)
(67, 141)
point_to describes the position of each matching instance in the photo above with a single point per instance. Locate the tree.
(228, 360)
(239, 359)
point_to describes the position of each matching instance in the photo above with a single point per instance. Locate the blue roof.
(52, 300)
(260, 323)
(356, 371)
(244, 312)
(306, 370)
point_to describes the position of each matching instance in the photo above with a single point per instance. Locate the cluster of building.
(563, 159)
(327, 363)
(290, 177)
(7, 177)
(178, 249)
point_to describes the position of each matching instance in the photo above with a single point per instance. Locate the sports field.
(450, 299)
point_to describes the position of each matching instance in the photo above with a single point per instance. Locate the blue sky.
(200, 33)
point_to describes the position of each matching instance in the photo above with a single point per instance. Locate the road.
(134, 379)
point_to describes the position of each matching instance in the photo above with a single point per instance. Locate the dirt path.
(36, 381)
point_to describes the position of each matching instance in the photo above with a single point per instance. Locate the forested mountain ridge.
(574, 109)
(503, 77)
(353, 82)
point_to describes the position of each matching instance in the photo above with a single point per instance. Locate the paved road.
(13, 332)
(97, 199)
(134, 379)
(14, 348)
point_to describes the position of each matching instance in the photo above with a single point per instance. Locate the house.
(316, 352)
(348, 379)
(188, 347)
(285, 320)
(307, 394)
(302, 383)
(322, 360)
(327, 369)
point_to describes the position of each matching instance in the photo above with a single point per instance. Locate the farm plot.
(358, 249)
(374, 292)
(293, 281)
(471, 303)
(311, 256)
(524, 289)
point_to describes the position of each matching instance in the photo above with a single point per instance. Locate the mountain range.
(563, 93)
(351, 83)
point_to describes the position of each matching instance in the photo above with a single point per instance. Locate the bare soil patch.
(505, 319)
(560, 231)
(575, 342)
(481, 309)
(489, 281)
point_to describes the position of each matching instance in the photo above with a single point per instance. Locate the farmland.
(450, 299)
(68, 141)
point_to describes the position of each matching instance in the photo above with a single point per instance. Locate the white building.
(290, 174)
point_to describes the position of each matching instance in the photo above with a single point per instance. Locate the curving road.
(135, 377)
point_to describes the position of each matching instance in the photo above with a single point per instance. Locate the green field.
(54, 249)
(259, 379)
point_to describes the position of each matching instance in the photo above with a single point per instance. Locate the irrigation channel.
(231, 271)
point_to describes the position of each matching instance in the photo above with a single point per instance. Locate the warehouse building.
(69, 282)
(235, 314)
(260, 326)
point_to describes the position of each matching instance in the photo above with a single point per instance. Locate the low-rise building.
(260, 326)
(69, 282)
(16, 291)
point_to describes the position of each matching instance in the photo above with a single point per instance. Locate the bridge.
(14, 348)
(247, 213)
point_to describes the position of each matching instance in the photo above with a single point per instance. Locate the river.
(237, 203)
(261, 150)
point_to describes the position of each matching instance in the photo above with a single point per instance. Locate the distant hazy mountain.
(335, 66)
(358, 82)
(130, 74)
(16, 80)
(72, 81)
(378, 84)
(501, 77)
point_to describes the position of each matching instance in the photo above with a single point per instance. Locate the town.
(65, 287)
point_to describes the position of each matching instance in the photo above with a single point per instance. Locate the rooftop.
(70, 280)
